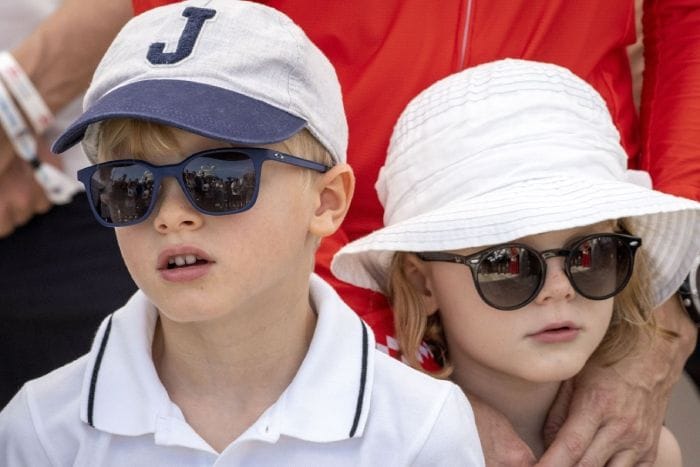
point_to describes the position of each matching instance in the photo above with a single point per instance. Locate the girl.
(515, 244)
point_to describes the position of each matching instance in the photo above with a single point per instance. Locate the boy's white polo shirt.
(348, 404)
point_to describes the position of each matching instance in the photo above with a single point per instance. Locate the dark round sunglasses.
(509, 276)
(216, 182)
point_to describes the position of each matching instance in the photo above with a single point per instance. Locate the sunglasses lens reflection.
(600, 266)
(225, 182)
(221, 183)
(508, 277)
(120, 193)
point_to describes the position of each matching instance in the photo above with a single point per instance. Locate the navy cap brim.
(206, 110)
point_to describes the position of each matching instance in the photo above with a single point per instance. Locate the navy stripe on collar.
(96, 370)
(363, 379)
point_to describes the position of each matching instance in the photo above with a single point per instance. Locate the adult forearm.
(59, 56)
(62, 53)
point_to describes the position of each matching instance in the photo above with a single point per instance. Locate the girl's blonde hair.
(631, 317)
(121, 137)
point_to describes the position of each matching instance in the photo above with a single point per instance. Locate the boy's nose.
(556, 283)
(173, 210)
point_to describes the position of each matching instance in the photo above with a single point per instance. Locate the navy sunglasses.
(216, 182)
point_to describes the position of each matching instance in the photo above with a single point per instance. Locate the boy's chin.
(190, 315)
(190, 309)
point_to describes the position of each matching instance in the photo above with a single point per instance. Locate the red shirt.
(386, 51)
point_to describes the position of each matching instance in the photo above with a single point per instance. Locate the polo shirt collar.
(121, 392)
(328, 399)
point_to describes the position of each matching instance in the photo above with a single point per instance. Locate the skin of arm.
(59, 56)
(613, 415)
(500, 443)
(20, 196)
(669, 452)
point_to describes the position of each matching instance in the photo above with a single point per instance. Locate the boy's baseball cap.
(229, 70)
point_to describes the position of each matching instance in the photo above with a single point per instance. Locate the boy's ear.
(416, 271)
(334, 190)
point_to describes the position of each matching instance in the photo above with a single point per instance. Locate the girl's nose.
(557, 285)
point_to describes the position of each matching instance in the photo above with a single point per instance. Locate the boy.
(231, 352)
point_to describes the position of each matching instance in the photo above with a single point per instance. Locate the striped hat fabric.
(508, 149)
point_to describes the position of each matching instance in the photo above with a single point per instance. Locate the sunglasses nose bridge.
(547, 254)
(170, 171)
(555, 282)
(174, 171)
(554, 253)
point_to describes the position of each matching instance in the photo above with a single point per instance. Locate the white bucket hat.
(509, 149)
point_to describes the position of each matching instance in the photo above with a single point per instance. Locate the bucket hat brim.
(669, 226)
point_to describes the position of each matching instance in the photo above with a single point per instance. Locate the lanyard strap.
(25, 93)
(14, 125)
(59, 188)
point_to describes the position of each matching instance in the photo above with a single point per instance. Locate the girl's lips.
(556, 332)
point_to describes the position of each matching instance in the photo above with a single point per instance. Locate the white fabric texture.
(509, 149)
(407, 418)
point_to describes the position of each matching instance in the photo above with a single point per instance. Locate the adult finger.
(558, 412)
(627, 458)
(572, 440)
(20, 197)
(44, 153)
(7, 153)
(604, 450)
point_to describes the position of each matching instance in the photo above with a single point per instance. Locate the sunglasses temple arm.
(300, 162)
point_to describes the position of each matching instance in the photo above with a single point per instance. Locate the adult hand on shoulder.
(21, 197)
(612, 415)
(499, 442)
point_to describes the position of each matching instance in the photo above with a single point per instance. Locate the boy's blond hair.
(631, 319)
(137, 138)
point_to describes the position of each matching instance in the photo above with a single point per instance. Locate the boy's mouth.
(183, 261)
(182, 257)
